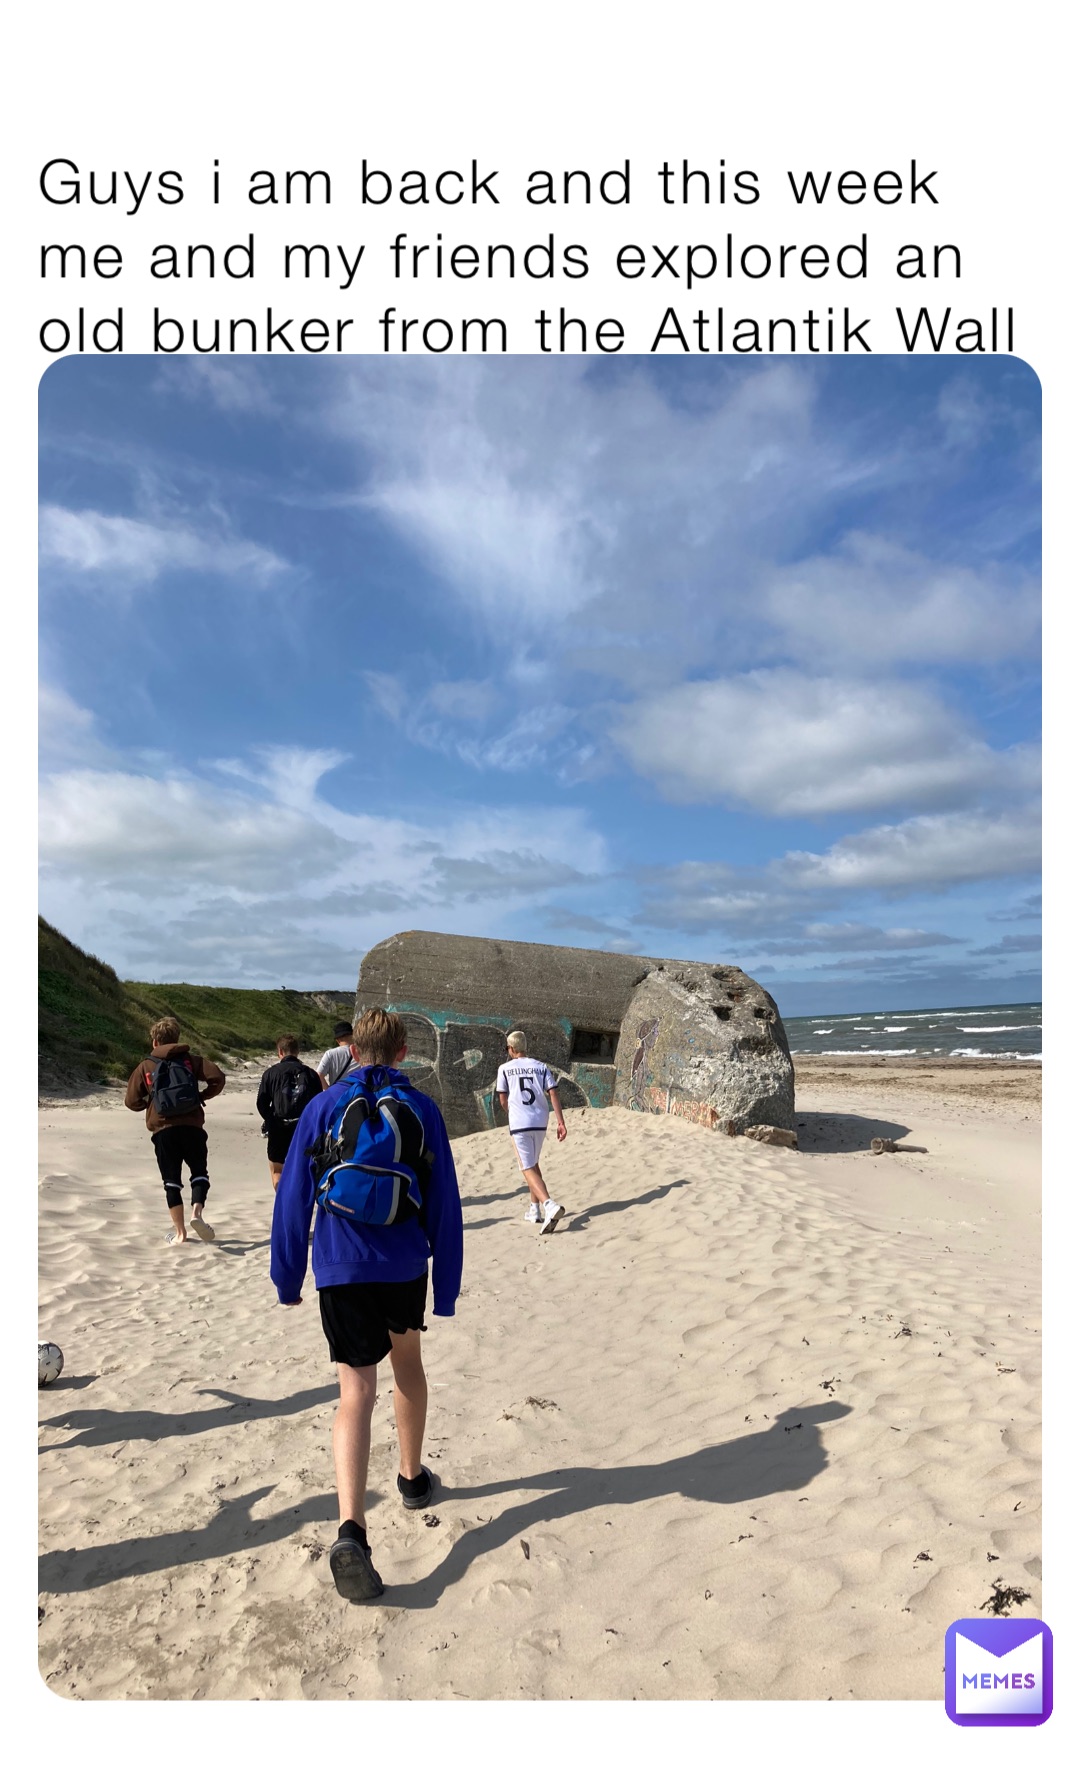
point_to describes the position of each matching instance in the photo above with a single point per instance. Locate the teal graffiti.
(445, 1017)
(596, 1082)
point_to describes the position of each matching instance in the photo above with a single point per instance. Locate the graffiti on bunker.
(455, 1059)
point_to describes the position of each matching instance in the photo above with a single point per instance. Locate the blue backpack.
(372, 1163)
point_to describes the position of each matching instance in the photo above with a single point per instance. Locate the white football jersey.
(526, 1082)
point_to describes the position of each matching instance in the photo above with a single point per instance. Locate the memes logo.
(999, 1672)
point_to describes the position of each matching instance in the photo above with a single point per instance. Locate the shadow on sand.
(232, 1531)
(785, 1457)
(230, 1246)
(112, 1426)
(582, 1219)
(831, 1134)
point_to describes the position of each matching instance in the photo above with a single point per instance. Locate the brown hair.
(378, 1036)
(166, 1031)
(288, 1045)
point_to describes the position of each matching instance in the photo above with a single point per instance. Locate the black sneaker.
(416, 1491)
(353, 1571)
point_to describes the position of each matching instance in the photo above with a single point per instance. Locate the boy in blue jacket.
(372, 1283)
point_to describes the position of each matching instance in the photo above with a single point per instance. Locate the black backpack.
(174, 1087)
(293, 1089)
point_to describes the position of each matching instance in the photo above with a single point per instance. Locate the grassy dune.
(93, 1026)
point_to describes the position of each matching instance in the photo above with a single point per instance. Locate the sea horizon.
(1011, 1030)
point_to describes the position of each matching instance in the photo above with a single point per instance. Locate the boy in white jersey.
(524, 1085)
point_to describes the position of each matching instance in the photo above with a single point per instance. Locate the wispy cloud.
(67, 732)
(864, 938)
(234, 388)
(1013, 944)
(1028, 909)
(129, 551)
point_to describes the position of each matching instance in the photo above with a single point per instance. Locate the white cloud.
(289, 773)
(387, 693)
(872, 600)
(130, 551)
(231, 387)
(930, 851)
(765, 907)
(167, 867)
(562, 918)
(466, 699)
(700, 897)
(556, 490)
(135, 832)
(799, 746)
(964, 412)
(540, 489)
(500, 874)
(67, 733)
(544, 737)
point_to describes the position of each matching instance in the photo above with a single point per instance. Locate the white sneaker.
(552, 1214)
(532, 1216)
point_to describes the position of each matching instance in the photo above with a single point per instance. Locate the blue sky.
(687, 657)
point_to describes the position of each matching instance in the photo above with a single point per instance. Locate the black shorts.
(358, 1320)
(278, 1139)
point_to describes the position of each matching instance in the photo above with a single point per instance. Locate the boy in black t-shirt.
(284, 1092)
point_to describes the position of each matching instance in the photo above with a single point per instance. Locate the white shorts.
(528, 1145)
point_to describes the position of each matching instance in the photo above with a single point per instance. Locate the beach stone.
(460, 995)
(773, 1134)
(706, 1043)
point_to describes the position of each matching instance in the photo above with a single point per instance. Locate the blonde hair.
(378, 1036)
(165, 1032)
(517, 1042)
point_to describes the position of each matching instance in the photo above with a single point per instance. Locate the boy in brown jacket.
(167, 1085)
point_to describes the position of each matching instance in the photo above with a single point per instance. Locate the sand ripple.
(738, 1429)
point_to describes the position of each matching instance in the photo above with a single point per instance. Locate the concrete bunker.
(717, 1055)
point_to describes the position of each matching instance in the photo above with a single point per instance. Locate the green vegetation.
(93, 1027)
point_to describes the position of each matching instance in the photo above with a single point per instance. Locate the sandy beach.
(753, 1423)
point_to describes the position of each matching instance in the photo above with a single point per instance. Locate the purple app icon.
(999, 1672)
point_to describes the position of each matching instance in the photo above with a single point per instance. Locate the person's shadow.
(107, 1426)
(582, 1219)
(787, 1456)
(230, 1532)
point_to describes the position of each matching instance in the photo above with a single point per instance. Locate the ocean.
(1007, 1030)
